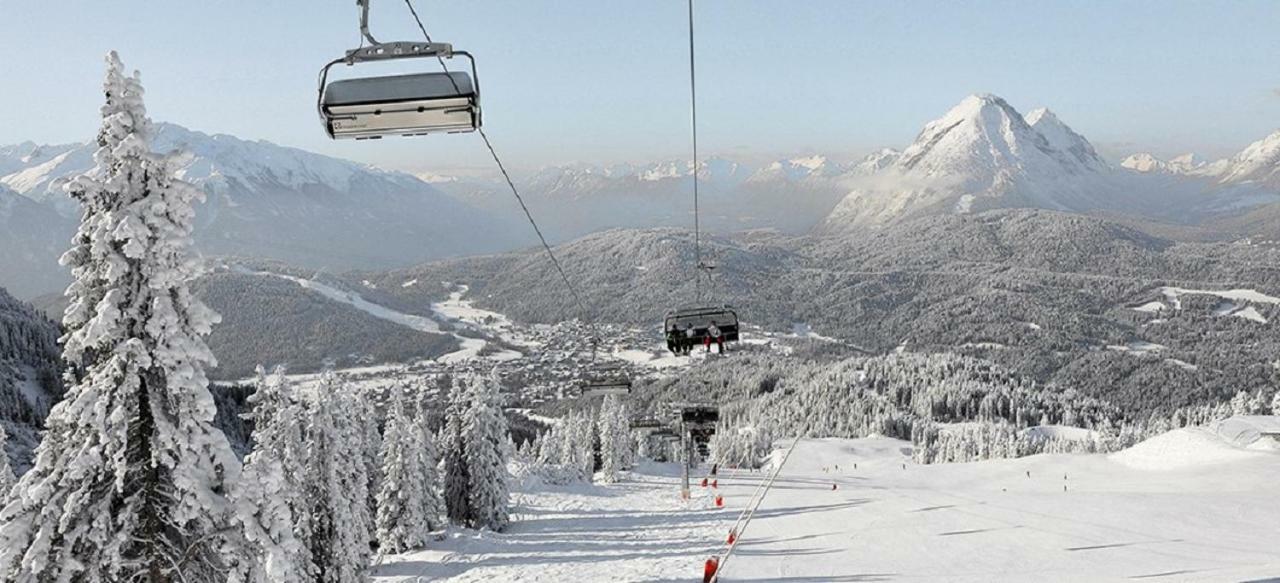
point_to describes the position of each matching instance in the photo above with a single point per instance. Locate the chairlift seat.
(600, 387)
(677, 322)
(406, 105)
(700, 416)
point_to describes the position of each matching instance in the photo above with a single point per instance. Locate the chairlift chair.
(646, 423)
(603, 387)
(611, 380)
(407, 105)
(677, 323)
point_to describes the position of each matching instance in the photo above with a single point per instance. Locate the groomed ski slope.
(1185, 506)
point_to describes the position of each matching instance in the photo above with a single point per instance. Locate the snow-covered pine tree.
(580, 449)
(131, 480)
(401, 522)
(433, 509)
(612, 437)
(339, 516)
(551, 446)
(625, 440)
(271, 499)
(485, 438)
(1275, 403)
(457, 483)
(365, 415)
(7, 479)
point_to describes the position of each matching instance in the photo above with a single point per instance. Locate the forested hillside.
(29, 374)
(1061, 298)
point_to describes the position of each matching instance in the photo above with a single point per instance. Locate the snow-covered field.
(1186, 506)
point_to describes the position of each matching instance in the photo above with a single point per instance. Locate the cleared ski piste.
(1185, 506)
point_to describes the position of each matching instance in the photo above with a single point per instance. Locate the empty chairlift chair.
(404, 105)
(607, 381)
(679, 321)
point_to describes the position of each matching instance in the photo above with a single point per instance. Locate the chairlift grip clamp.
(398, 50)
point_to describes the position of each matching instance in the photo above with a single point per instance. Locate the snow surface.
(1230, 305)
(1138, 347)
(891, 520)
(1248, 295)
(455, 308)
(1151, 306)
(1182, 448)
(354, 300)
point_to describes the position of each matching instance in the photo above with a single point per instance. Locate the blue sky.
(586, 80)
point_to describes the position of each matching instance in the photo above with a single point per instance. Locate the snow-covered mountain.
(32, 237)
(791, 194)
(265, 200)
(1063, 139)
(982, 154)
(1257, 165)
(1186, 164)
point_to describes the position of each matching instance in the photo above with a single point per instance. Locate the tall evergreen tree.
(401, 519)
(271, 498)
(130, 482)
(339, 516)
(457, 481)
(7, 479)
(613, 439)
(485, 439)
(433, 508)
(365, 415)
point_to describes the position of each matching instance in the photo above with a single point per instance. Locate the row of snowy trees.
(585, 442)
(134, 482)
(954, 408)
(321, 471)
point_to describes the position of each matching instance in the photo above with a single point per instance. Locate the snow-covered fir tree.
(581, 448)
(338, 487)
(614, 436)
(7, 479)
(433, 508)
(485, 443)
(365, 415)
(457, 481)
(551, 446)
(271, 498)
(131, 480)
(401, 519)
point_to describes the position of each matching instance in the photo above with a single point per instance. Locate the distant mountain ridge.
(1257, 164)
(263, 200)
(983, 154)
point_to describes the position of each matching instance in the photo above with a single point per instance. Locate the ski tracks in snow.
(635, 530)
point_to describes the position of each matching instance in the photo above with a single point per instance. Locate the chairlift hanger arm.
(378, 50)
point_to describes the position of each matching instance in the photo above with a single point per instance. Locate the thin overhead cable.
(693, 108)
(507, 176)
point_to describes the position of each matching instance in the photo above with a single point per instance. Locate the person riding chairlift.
(690, 337)
(713, 331)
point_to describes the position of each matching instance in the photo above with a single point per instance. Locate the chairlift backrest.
(701, 319)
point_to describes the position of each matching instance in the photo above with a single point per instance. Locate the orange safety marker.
(704, 482)
(715, 483)
(719, 501)
(709, 569)
(733, 536)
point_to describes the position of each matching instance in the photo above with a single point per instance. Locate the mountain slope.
(982, 154)
(29, 368)
(1052, 295)
(32, 237)
(271, 201)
